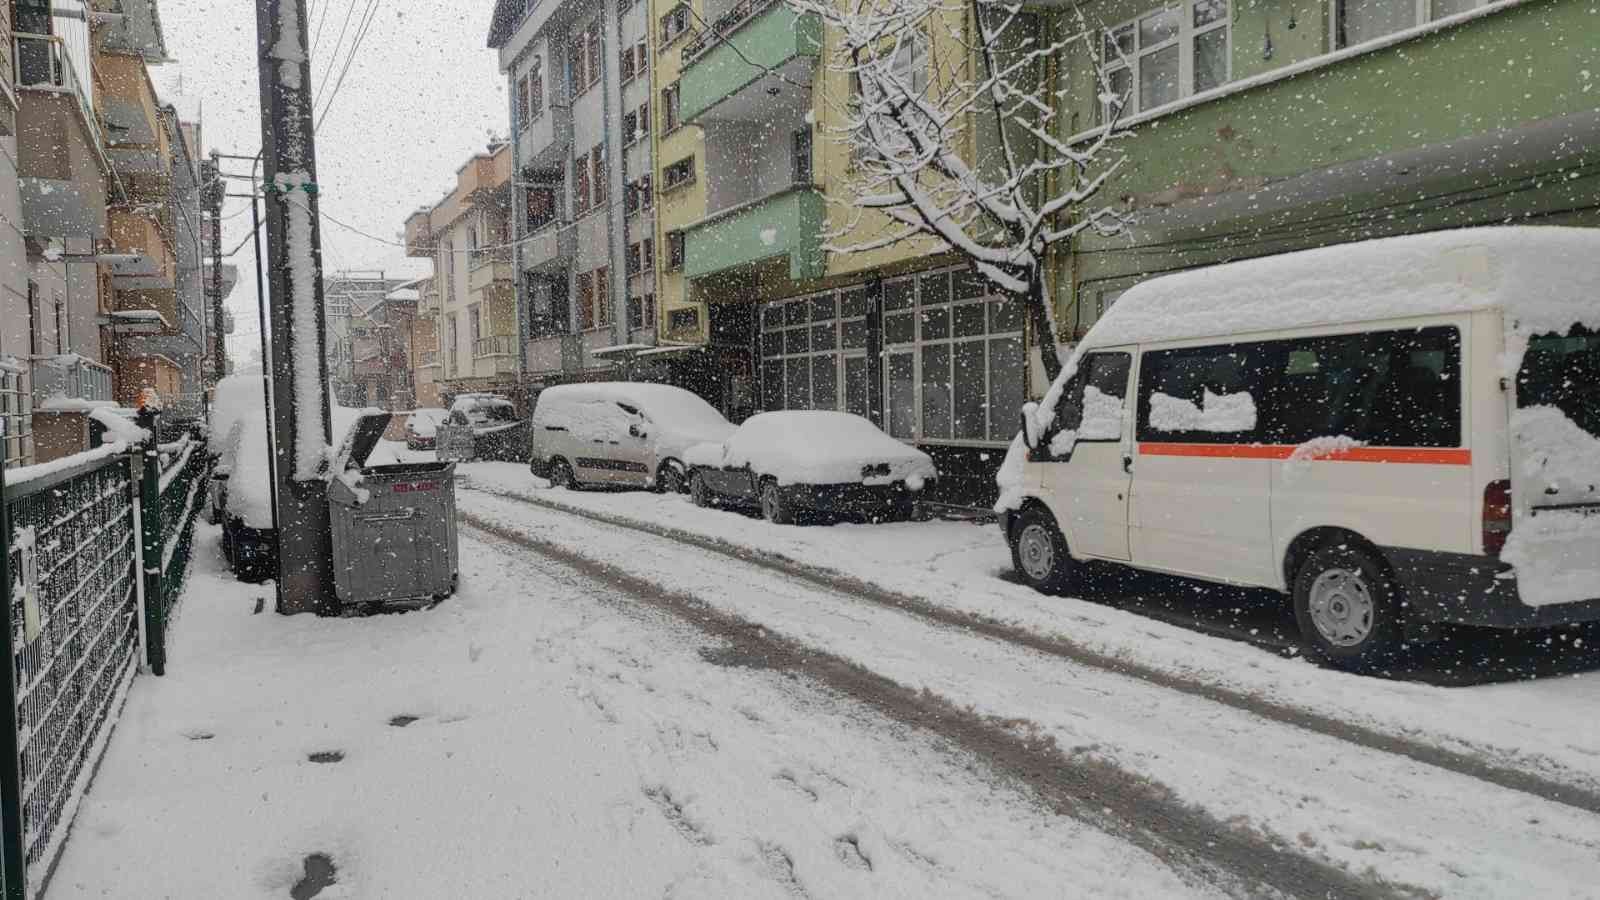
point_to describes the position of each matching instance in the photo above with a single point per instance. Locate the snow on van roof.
(662, 402)
(1545, 277)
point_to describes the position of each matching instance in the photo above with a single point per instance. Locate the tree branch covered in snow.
(967, 149)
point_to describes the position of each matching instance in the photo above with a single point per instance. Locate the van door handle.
(1127, 464)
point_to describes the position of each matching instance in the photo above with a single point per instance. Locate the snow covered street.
(630, 696)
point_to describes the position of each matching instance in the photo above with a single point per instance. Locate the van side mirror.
(1029, 426)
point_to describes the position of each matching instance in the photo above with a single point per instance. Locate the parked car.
(1393, 433)
(482, 426)
(422, 427)
(794, 462)
(620, 433)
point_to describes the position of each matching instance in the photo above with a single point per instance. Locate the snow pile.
(1329, 447)
(120, 425)
(1012, 476)
(239, 418)
(352, 480)
(59, 402)
(310, 450)
(1217, 414)
(23, 474)
(1556, 552)
(819, 447)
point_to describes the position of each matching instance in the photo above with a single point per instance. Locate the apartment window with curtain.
(675, 251)
(1166, 55)
(535, 86)
(800, 144)
(674, 23)
(642, 63)
(602, 296)
(641, 312)
(524, 108)
(577, 71)
(591, 41)
(585, 301)
(678, 174)
(447, 260)
(626, 59)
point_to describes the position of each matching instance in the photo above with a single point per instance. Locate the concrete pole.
(214, 190)
(300, 413)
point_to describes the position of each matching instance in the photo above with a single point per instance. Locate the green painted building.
(1265, 126)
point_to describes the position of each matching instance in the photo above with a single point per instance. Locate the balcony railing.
(725, 25)
(71, 377)
(42, 64)
(497, 345)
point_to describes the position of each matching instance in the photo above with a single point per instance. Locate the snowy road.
(634, 697)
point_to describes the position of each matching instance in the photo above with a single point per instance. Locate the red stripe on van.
(1401, 455)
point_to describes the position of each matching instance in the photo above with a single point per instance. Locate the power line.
(371, 13)
(333, 55)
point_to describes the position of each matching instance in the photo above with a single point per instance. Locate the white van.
(620, 433)
(1394, 433)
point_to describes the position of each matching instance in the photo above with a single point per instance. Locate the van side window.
(1387, 389)
(1091, 407)
(1202, 395)
(1563, 371)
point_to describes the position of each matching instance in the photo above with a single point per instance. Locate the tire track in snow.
(1476, 767)
(1093, 791)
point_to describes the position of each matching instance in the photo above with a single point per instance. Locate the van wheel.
(561, 475)
(669, 480)
(699, 492)
(774, 508)
(1348, 607)
(1039, 552)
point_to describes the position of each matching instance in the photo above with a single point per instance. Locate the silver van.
(620, 433)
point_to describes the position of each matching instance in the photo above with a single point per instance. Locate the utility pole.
(300, 414)
(215, 187)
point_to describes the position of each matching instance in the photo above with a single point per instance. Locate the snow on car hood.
(816, 447)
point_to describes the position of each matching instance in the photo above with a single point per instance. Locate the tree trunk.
(1044, 331)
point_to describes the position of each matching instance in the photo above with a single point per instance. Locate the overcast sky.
(422, 94)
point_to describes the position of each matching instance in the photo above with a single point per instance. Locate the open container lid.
(359, 442)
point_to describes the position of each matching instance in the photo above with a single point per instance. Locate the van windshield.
(1563, 371)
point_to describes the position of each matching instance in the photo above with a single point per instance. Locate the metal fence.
(94, 556)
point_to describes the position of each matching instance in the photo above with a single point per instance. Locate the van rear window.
(1563, 371)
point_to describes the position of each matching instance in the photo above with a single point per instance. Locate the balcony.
(494, 345)
(780, 235)
(770, 38)
(70, 377)
(61, 161)
(551, 248)
(144, 261)
(485, 177)
(541, 141)
(486, 268)
(136, 135)
(419, 234)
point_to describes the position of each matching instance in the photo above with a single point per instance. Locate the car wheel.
(669, 480)
(700, 492)
(774, 508)
(561, 475)
(1039, 552)
(1348, 607)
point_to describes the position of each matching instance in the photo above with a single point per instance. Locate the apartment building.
(425, 343)
(583, 219)
(467, 236)
(1263, 128)
(353, 303)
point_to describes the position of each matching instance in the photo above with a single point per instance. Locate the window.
(683, 320)
(452, 345)
(541, 207)
(535, 83)
(580, 185)
(1563, 371)
(642, 62)
(577, 71)
(959, 367)
(627, 64)
(644, 120)
(16, 415)
(636, 196)
(675, 251)
(910, 64)
(647, 255)
(524, 106)
(1386, 389)
(602, 297)
(1091, 407)
(1358, 21)
(548, 313)
(631, 259)
(669, 108)
(800, 145)
(630, 128)
(647, 197)
(1168, 54)
(597, 174)
(678, 174)
(447, 265)
(1201, 395)
(641, 312)
(674, 23)
(591, 41)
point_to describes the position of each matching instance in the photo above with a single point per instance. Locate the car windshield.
(690, 549)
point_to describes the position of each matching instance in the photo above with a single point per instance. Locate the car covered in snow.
(482, 426)
(422, 427)
(621, 433)
(799, 461)
(1394, 433)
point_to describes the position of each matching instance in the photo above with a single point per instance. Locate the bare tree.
(967, 149)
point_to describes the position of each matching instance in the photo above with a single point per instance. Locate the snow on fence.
(93, 552)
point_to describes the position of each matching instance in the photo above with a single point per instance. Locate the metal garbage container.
(394, 526)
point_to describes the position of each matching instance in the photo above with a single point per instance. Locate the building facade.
(467, 237)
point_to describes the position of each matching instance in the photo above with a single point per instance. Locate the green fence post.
(13, 855)
(155, 610)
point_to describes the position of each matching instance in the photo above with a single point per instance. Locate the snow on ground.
(1365, 810)
(566, 743)
(1543, 725)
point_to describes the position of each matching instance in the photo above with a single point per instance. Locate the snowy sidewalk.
(535, 736)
